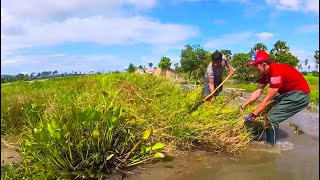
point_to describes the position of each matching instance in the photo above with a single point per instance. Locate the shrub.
(315, 73)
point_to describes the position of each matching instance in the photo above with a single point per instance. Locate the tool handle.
(218, 86)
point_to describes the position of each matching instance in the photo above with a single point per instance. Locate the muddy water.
(294, 157)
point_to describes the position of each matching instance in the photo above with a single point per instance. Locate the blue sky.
(101, 35)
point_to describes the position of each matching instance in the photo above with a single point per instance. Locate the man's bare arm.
(254, 96)
(270, 94)
(211, 85)
(231, 71)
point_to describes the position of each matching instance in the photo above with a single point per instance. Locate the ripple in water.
(284, 146)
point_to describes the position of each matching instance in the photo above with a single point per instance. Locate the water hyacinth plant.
(94, 125)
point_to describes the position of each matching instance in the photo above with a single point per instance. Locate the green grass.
(97, 124)
(313, 82)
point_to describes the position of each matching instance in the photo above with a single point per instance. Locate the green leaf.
(57, 135)
(110, 156)
(65, 128)
(147, 133)
(50, 129)
(54, 124)
(158, 146)
(159, 155)
(44, 136)
(148, 149)
(143, 150)
(40, 176)
(96, 133)
(115, 122)
(117, 112)
(38, 165)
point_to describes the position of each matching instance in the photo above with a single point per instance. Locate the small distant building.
(169, 73)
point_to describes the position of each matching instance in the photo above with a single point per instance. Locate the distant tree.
(281, 54)
(191, 58)
(164, 63)
(309, 67)
(55, 72)
(131, 68)
(45, 73)
(32, 75)
(258, 46)
(316, 56)
(306, 62)
(300, 66)
(280, 47)
(150, 64)
(227, 53)
(244, 73)
(22, 77)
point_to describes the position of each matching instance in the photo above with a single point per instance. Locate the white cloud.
(264, 35)
(309, 28)
(61, 8)
(101, 30)
(295, 5)
(37, 23)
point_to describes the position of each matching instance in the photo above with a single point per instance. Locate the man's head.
(216, 56)
(260, 61)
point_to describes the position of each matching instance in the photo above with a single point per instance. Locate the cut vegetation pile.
(90, 126)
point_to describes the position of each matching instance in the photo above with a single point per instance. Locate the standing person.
(213, 75)
(293, 89)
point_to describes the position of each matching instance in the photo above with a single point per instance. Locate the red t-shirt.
(286, 78)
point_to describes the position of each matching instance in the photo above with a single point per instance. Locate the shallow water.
(294, 157)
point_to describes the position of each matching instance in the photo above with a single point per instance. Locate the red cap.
(258, 57)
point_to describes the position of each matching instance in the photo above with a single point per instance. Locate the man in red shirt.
(293, 89)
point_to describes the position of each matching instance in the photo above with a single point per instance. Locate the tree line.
(194, 60)
(40, 75)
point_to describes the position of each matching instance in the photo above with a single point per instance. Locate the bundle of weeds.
(65, 143)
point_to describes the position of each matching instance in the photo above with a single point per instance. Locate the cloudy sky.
(107, 35)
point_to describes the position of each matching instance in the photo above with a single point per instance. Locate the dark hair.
(216, 56)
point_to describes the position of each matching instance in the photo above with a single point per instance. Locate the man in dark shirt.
(213, 75)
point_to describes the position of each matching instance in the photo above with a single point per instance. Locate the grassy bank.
(91, 126)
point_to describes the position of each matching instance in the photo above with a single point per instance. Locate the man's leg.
(286, 105)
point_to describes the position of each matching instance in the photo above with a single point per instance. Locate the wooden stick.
(218, 86)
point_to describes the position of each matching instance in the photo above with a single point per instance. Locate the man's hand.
(212, 99)
(231, 72)
(249, 120)
(241, 109)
